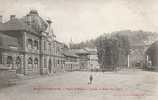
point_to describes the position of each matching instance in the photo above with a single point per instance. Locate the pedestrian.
(90, 79)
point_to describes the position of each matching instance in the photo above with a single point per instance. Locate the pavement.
(121, 85)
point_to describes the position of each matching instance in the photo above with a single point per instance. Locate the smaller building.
(71, 61)
(83, 58)
(93, 59)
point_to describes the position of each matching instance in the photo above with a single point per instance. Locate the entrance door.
(50, 66)
(18, 64)
(10, 61)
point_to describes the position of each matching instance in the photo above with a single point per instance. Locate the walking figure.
(90, 79)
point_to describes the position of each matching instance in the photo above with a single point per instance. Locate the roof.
(80, 51)
(60, 43)
(7, 41)
(16, 24)
(1, 26)
(91, 50)
(69, 54)
(32, 22)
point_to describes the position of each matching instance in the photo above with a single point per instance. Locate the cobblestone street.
(134, 85)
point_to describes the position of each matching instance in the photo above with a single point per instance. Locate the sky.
(81, 20)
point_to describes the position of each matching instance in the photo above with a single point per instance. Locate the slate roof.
(7, 41)
(32, 22)
(16, 25)
(80, 51)
(1, 26)
(69, 54)
(91, 51)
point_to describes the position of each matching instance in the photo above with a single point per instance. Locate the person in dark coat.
(90, 79)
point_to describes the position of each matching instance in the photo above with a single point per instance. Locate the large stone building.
(28, 45)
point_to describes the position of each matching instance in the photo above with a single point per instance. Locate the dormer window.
(29, 43)
(36, 44)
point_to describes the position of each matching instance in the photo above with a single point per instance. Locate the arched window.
(35, 68)
(36, 44)
(36, 61)
(30, 60)
(18, 65)
(18, 60)
(30, 44)
(10, 61)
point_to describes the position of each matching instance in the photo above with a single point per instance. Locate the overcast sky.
(86, 19)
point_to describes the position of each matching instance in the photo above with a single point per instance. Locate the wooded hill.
(135, 38)
(113, 48)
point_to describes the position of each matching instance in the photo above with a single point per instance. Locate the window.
(45, 62)
(30, 60)
(35, 61)
(58, 61)
(1, 58)
(30, 63)
(49, 44)
(36, 44)
(29, 43)
(44, 45)
(18, 60)
(9, 60)
(18, 65)
(35, 68)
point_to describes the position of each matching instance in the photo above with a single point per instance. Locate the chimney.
(1, 19)
(34, 12)
(12, 17)
(28, 19)
(49, 26)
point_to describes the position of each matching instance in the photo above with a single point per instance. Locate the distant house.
(71, 61)
(93, 58)
(83, 57)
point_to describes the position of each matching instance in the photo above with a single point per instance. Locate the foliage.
(110, 49)
(88, 43)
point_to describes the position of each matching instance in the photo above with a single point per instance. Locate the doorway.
(18, 64)
(50, 66)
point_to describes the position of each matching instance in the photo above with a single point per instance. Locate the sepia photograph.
(78, 49)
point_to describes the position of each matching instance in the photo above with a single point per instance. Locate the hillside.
(136, 38)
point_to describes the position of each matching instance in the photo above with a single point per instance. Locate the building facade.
(71, 61)
(83, 58)
(93, 59)
(28, 45)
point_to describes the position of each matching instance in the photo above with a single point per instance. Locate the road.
(123, 85)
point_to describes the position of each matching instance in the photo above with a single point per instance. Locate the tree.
(111, 50)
